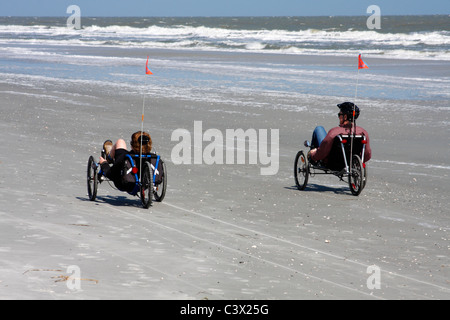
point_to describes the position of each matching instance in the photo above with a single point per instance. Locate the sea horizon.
(222, 16)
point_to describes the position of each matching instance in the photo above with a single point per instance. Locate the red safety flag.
(147, 70)
(361, 63)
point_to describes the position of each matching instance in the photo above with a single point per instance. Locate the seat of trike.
(155, 161)
(342, 146)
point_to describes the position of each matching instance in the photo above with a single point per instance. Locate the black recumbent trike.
(344, 161)
(150, 182)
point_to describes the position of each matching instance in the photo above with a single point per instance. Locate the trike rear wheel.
(356, 176)
(160, 189)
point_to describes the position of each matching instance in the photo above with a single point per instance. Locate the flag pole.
(361, 65)
(147, 72)
(142, 133)
(353, 126)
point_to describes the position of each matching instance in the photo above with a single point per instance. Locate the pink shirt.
(327, 142)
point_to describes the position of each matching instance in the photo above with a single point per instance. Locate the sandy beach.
(224, 231)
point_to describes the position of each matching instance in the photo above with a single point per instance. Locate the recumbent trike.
(151, 182)
(339, 163)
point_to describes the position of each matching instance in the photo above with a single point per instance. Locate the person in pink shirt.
(322, 141)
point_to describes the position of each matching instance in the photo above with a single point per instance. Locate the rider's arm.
(368, 150)
(105, 166)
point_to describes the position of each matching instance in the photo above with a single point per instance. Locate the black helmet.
(347, 108)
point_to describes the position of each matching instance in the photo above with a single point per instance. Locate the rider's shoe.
(310, 159)
(107, 146)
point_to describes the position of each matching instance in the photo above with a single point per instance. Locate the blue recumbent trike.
(150, 182)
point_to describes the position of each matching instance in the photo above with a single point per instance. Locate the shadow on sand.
(117, 201)
(311, 187)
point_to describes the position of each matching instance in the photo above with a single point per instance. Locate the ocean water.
(418, 37)
(215, 59)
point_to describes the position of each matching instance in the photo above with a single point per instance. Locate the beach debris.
(30, 270)
(62, 278)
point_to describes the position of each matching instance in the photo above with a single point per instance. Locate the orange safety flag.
(147, 70)
(361, 63)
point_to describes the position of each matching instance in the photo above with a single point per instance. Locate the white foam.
(311, 41)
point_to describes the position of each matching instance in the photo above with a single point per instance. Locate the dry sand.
(223, 231)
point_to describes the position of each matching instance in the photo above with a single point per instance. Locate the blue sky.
(221, 8)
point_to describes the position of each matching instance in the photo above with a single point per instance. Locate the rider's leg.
(120, 144)
(319, 134)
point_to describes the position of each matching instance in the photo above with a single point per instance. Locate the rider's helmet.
(347, 108)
